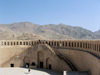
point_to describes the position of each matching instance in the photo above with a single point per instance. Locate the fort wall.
(83, 54)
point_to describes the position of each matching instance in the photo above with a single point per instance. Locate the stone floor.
(24, 71)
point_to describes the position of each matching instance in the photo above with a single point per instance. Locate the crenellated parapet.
(91, 45)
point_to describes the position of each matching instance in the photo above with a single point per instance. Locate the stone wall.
(83, 54)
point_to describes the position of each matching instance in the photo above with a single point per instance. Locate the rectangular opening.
(27, 65)
(50, 67)
(11, 65)
(41, 64)
(33, 64)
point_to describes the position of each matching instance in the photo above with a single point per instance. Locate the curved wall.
(84, 54)
(82, 60)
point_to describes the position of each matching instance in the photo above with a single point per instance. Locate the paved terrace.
(24, 71)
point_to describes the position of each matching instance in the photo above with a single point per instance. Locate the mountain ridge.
(30, 31)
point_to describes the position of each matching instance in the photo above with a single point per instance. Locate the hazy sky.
(83, 13)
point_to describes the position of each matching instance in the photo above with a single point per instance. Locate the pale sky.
(83, 13)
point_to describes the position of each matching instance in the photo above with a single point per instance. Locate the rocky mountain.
(28, 30)
(97, 33)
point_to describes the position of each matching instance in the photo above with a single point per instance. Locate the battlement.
(82, 44)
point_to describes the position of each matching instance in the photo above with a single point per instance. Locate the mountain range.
(30, 31)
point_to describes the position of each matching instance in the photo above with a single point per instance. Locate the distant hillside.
(27, 30)
(97, 33)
